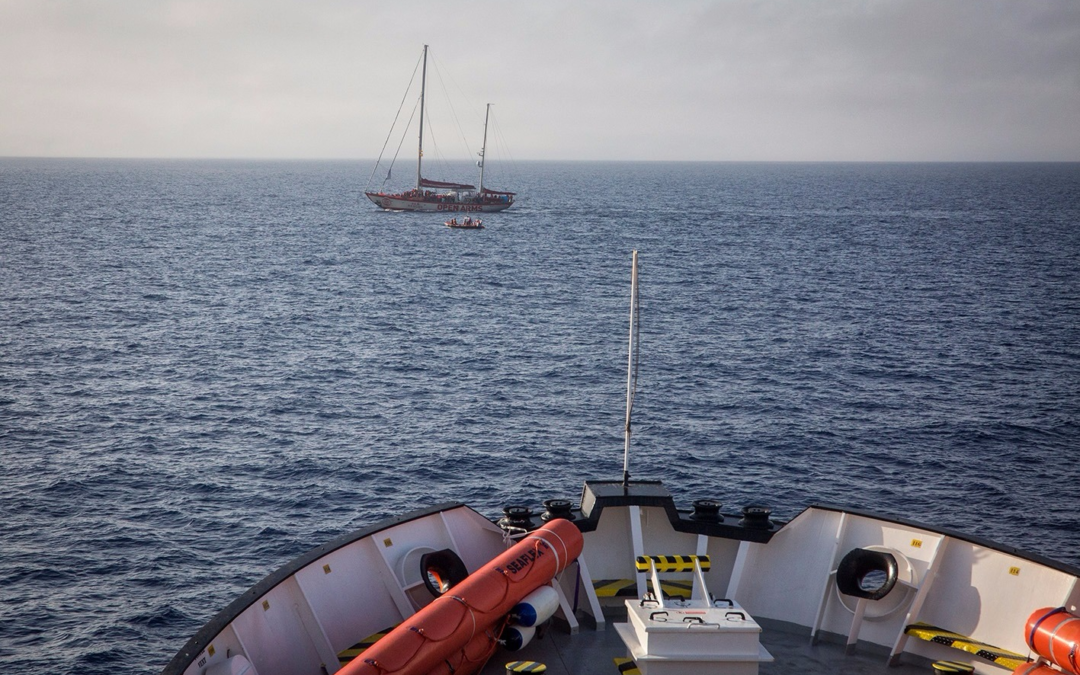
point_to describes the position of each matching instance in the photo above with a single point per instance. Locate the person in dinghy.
(466, 223)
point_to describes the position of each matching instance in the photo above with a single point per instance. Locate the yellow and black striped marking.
(615, 588)
(944, 667)
(525, 667)
(672, 563)
(346, 655)
(1002, 657)
(627, 588)
(627, 666)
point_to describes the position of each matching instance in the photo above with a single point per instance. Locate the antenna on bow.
(631, 367)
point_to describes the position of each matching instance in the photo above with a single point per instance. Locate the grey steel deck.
(591, 652)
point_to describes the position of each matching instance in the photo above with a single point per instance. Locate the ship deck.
(592, 652)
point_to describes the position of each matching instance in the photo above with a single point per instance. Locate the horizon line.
(579, 160)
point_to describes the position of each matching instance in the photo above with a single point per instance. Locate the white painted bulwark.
(299, 619)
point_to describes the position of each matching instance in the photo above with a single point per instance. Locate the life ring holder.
(413, 569)
(442, 570)
(408, 566)
(901, 588)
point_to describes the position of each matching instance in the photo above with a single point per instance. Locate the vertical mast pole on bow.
(631, 375)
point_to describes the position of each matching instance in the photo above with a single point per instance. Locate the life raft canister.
(515, 638)
(535, 608)
(1054, 634)
(457, 631)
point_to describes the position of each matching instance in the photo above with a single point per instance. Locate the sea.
(210, 367)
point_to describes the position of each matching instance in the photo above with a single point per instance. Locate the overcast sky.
(570, 79)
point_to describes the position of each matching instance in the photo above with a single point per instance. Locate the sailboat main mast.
(483, 148)
(420, 142)
(443, 196)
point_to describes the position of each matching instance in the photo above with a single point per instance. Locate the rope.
(449, 103)
(396, 115)
(401, 142)
(472, 615)
(506, 179)
(558, 566)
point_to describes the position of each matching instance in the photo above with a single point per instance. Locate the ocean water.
(207, 368)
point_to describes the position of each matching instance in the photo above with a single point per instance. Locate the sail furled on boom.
(438, 184)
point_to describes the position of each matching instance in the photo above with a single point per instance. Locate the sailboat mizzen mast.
(631, 383)
(420, 146)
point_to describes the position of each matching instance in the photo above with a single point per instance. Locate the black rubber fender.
(442, 570)
(857, 564)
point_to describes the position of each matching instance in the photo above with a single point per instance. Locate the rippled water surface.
(207, 368)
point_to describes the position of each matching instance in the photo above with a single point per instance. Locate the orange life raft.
(458, 631)
(1054, 634)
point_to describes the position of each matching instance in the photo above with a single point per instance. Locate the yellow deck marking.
(525, 667)
(627, 588)
(1002, 657)
(953, 667)
(672, 563)
(346, 655)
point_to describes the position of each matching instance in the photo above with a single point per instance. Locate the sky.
(697, 80)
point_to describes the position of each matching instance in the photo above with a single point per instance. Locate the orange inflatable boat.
(458, 631)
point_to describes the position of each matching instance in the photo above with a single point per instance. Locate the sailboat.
(442, 196)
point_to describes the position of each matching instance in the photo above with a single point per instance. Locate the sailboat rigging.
(443, 196)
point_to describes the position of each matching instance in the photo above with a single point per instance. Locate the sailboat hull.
(401, 203)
